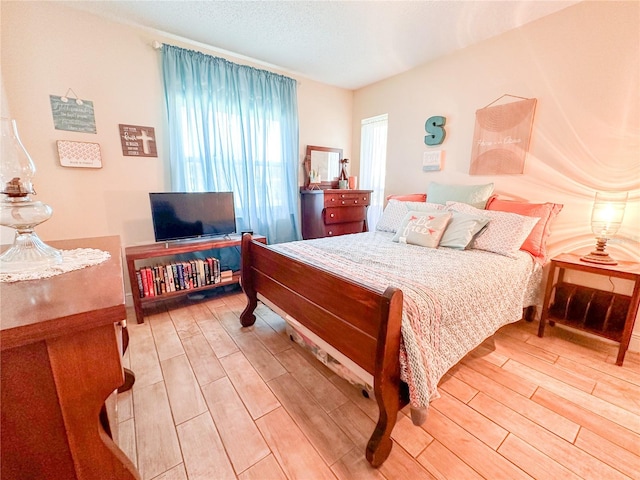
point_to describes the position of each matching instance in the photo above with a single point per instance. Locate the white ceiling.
(349, 44)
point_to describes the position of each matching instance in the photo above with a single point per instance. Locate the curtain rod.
(158, 46)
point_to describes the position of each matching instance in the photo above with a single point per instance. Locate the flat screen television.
(181, 215)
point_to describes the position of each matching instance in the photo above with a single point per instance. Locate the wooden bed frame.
(360, 323)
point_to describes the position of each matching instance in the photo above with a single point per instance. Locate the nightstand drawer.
(346, 199)
(344, 215)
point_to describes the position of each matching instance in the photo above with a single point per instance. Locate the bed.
(400, 311)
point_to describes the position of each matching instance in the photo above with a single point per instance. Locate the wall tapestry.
(501, 137)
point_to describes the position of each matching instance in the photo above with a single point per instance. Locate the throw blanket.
(453, 299)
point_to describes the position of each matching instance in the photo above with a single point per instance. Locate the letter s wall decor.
(434, 127)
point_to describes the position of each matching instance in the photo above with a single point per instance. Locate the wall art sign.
(501, 137)
(79, 154)
(74, 115)
(138, 141)
(434, 126)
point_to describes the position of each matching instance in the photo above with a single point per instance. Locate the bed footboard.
(359, 322)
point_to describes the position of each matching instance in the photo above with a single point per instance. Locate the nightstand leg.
(628, 324)
(547, 299)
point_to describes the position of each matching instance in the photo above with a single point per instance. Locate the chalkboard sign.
(73, 115)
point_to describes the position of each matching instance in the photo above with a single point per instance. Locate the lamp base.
(595, 257)
(599, 255)
(28, 253)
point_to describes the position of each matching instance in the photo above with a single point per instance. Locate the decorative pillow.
(422, 228)
(475, 195)
(395, 211)
(412, 197)
(505, 233)
(461, 230)
(536, 242)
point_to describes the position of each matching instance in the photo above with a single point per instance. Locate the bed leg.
(389, 404)
(390, 395)
(379, 446)
(247, 318)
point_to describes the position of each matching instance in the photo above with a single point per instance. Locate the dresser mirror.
(322, 167)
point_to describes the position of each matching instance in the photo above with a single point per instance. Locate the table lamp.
(17, 210)
(606, 218)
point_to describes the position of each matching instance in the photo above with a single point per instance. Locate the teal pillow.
(422, 228)
(475, 195)
(461, 230)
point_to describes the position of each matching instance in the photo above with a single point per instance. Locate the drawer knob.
(333, 199)
(330, 232)
(343, 202)
(355, 201)
(332, 215)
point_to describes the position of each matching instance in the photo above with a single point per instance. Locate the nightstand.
(600, 312)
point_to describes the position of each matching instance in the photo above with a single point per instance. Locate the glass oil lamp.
(18, 210)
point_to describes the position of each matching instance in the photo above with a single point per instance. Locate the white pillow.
(505, 233)
(395, 211)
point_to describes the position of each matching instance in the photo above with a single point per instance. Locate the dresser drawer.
(346, 199)
(343, 228)
(331, 212)
(344, 214)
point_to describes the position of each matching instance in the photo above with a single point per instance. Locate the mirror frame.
(325, 184)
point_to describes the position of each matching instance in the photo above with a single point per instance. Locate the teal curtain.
(235, 128)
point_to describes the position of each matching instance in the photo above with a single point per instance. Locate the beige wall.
(47, 49)
(583, 66)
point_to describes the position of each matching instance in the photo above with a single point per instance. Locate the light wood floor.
(215, 401)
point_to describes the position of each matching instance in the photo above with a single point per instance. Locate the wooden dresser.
(61, 360)
(331, 212)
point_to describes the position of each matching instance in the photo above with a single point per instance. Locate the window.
(235, 128)
(373, 160)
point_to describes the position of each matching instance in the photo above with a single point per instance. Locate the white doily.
(71, 260)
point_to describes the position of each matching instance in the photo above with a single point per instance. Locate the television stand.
(163, 249)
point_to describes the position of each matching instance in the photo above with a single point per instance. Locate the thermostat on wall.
(432, 160)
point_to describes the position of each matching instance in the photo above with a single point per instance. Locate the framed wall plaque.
(138, 141)
(79, 154)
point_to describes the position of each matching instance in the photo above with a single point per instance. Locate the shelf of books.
(177, 276)
(168, 278)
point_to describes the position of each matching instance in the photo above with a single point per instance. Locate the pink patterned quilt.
(453, 299)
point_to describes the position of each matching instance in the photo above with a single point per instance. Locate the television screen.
(192, 214)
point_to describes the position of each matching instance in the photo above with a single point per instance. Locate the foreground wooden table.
(60, 360)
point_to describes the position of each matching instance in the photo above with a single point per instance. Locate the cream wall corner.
(48, 48)
(582, 64)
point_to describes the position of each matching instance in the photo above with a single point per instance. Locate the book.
(145, 281)
(140, 284)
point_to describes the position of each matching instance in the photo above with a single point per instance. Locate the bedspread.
(453, 299)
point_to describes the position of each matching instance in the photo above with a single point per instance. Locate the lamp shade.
(16, 167)
(608, 212)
